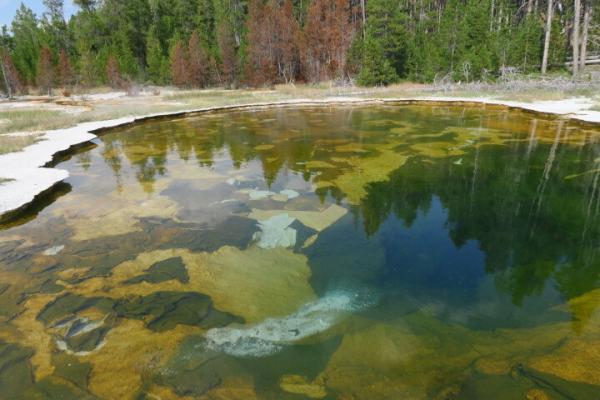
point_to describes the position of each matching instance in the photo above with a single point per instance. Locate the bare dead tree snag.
(575, 35)
(548, 32)
(584, 37)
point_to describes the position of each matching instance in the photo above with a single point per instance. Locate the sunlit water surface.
(389, 252)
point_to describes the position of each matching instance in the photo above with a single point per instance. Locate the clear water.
(382, 252)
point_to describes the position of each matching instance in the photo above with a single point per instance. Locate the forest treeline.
(200, 43)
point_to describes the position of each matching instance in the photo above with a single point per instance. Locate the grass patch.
(215, 98)
(5, 180)
(33, 120)
(533, 95)
(9, 144)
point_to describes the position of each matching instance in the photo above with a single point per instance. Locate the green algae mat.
(348, 252)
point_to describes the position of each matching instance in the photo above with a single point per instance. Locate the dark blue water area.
(423, 256)
(405, 268)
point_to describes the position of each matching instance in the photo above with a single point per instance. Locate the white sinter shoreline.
(28, 177)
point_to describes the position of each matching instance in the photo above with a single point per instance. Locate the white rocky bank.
(28, 177)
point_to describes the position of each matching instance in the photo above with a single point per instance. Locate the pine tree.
(558, 47)
(154, 58)
(198, 62)
(387, 23)
(273, 52)
(328, 34)
(206, 22)
(185, 16)
(65, 71)
(354, 59)
(228, 65)
(128, 64)
(287, 32)
(425, 60)
(273, 41)
(10, 76)
(180, 74)
(55, 26)
(27, 43)
(87, 5)
(376, 69)
(45, 71)
(474, 50)
(526, 44)
(113, 73)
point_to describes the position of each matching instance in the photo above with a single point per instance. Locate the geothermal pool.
(351, 252)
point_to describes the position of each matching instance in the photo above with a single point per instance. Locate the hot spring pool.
(351, 252)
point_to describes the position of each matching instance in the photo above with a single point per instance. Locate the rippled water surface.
(382, 252)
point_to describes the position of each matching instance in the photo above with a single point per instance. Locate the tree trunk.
(364, 18)
(529, 6)
(492, 9)
(584, 37)
(575, 37)
(547, 36)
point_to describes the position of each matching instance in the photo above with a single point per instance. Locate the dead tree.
(9, 73)
(575, 35)
(5, 76)
(547, 36)
(45, 71)
(584, 37)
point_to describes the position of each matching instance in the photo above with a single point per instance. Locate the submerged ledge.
(30, 172)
